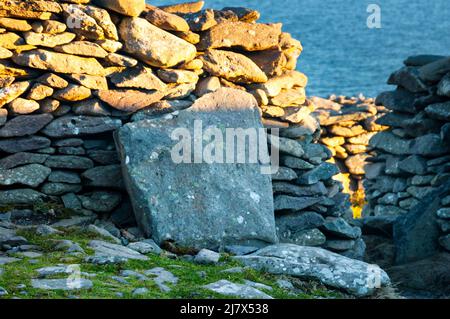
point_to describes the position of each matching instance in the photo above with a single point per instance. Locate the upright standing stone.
(197, 205)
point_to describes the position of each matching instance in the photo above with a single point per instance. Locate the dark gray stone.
(388, 142)
(298, 221)
(286, 145)
(399, 100)
(339, 245)
(414, 164)
(68, 142)
(284, 202)
(69, 162)
(317, 189)
(421, 60)
(25, 125)
(19, 159)
(295, 163)
(208, 205)
(429, 145)
(445, 133)
(358, 251)
(408, 78)
(444, 241)
(29, 175)
(21, 196)
(340, 228)
(322, 172)
(64, 177)
(104, 176)
(70, 126)
(70, 150)
(58, 189)
(101, 201)
(284, 174)
(440, 111)
(71, 201)
(104, 157)
(416, 233)
(23, 144)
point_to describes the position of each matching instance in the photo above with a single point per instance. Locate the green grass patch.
(191, 276)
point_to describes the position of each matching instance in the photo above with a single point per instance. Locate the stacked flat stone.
(348, 123)
(73, 72)
(413, 156)
(310, 207)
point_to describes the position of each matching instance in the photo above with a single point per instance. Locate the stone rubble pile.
(72, 72)
(413, 156)
(347, 126)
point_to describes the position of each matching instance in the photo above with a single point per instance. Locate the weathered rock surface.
(154, 46)
(356, 277)
(69, 126)
(106, 249)
(248, 36)
(232, 66)
(227, 288)
(59, 62)
(249, 216)
(131, 8)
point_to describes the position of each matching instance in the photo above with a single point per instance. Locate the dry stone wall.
(347, 126)
(413, 156)
(73, 72)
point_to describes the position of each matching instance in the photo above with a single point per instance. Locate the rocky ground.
(44, 262)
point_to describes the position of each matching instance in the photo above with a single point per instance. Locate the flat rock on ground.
(353, 276)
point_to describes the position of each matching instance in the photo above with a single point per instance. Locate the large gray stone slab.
(198, 205)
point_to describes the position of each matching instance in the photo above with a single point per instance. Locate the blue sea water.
(341, 54)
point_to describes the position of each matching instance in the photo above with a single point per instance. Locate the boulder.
(244, 213)
(353, 276)
(152, 45)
